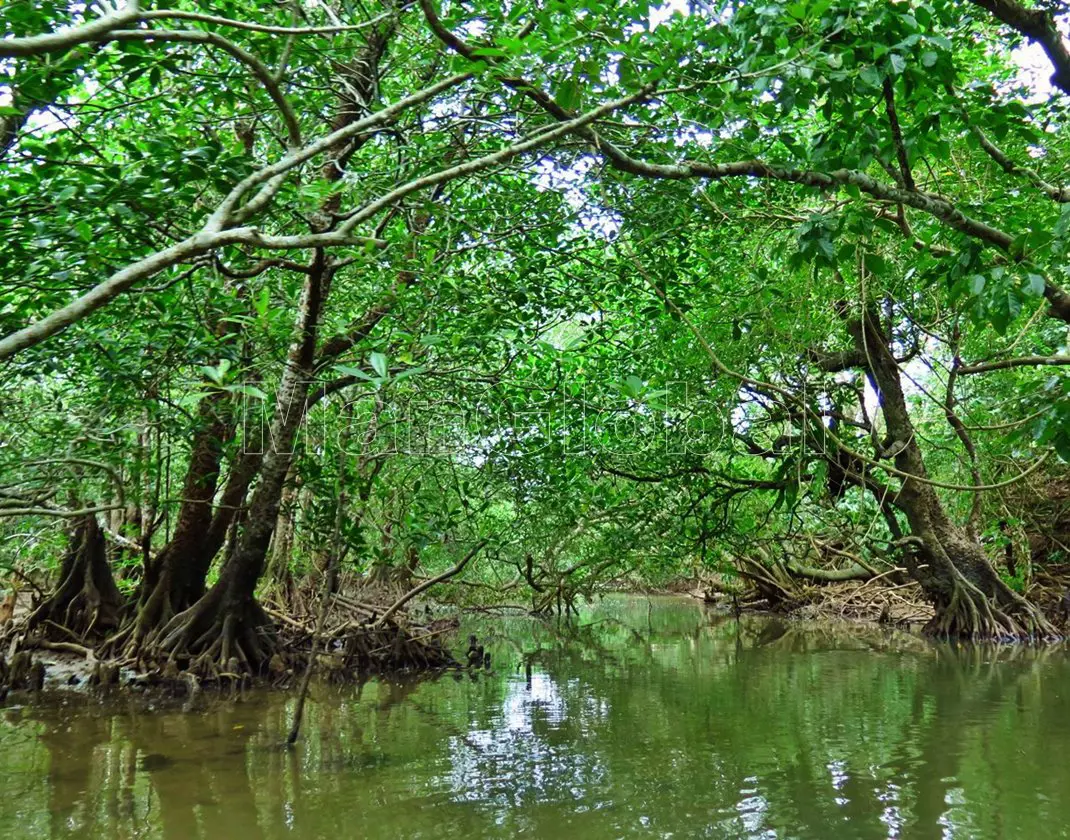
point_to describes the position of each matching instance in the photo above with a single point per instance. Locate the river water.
(648, 719)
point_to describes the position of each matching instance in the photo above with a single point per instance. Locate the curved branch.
(223, 213)
(963, 435)
(427, 584)
(783, 393)
(1037, 25)
(935, 206)
(1058, 194)
(112, 473)
(194, 246)
(196, 36)
(213, 234)
(855, 572)
(470, 167)
(178, 14)
(92, 31)
(67, 38)
(57, 512)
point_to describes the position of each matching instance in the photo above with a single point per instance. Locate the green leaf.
(378, 363)
(246, 390)
(350, 370)
(1062, 225)
(217, 373)
(1035, 285)
(568, 95)
(877, 265)
(633, 386)
(871, 76)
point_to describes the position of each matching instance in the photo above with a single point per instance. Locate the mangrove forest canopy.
(514, 303)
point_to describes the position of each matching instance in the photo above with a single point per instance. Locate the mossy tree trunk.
(970, 598)
(225, 627)
(168, 578)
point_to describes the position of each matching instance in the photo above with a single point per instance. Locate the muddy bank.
(360, 637)
(887, 599)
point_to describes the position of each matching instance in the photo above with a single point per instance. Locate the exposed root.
(952, 583)
(215, 636)
(86, 602)
(356, 640)
(143, 620)
(1000, 614)
(772, 583)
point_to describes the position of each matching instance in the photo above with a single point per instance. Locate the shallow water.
(653, 720)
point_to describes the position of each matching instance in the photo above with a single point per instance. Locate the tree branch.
(838, 361)
(897, 134)
(67, 38)
(1037, 25)
(653, 479)
(177, 14)
(1003, 364)
(540, 138)
(427, 584)
(974, 522)
(196, 36)
(56, 512)
(935, 206)
(214, 234)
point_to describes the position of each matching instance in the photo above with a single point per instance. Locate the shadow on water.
(642, 719)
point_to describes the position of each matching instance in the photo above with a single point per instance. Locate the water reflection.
(643, 722)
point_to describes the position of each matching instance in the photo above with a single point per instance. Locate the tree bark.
(86, 600)
(242, 473)
(969, 597)
(280, 577)
(171, 578)
(226, 628)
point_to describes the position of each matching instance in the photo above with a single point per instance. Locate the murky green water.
(655, 721)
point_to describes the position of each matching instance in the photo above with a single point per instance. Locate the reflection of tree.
(698, 724)
(196, 765)
(833, 735)
(72, 772)
(808, 726)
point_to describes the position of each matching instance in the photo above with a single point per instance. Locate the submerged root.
(972, 601)
(391, 647)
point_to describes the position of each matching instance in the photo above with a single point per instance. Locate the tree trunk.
(244, 470)
(86, 601)
(170, 578)
(280, 577)
(226, 629)
(970, 599)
